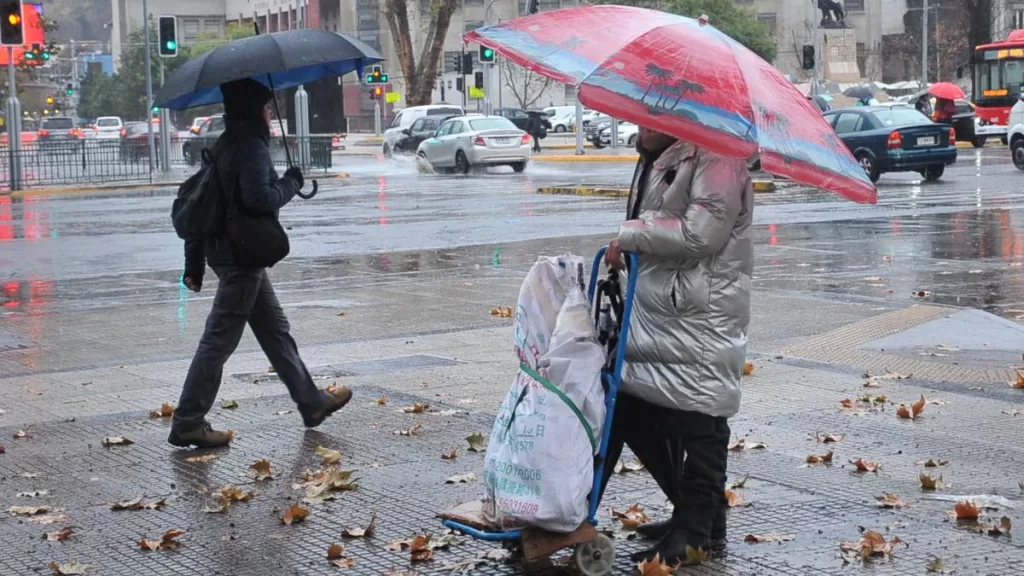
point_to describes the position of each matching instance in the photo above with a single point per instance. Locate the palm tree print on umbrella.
(658, 76)
(773, 120)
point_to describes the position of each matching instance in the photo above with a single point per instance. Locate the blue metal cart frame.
(611, 378)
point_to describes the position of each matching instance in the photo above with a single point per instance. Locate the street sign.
(393, 98)
(476, 93)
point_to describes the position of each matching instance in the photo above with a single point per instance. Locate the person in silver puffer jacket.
(689, 218)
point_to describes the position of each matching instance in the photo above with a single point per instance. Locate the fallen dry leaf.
(622, 467)
(847, 403)
(232, 493)
(829, 438)
(932, 463)
(935, 565)
(734, 500)
(695, 556)
(461, 478)
(29, 510)
(918, 407)
(399, 545)
(502, 312)
(361, 532)
(138, 504)
(260, 470)
(411, 431)
(655, 567)
(116, 441)
(340, 314)
(904, 413)
(738, 484)
(20, 434)
(1001, 529)
(1014, 412)
(60, 535)
(228, 404)
(166, 410)
(69, 568)
(820, 459)
(321, 484)
(420, 550)
(741, 444)
(1020, 380)
(871, 544)
(865, 465)
(965, 510)
(345, 563)
(335, 550)
(450, 455)
(929, 482)
(34, 494)
(922, 294)
(871, 384)
(382, 401)
(889, 500)
(168, 541)
(204, 458)
(216, 507)
(773, 537)
(329, 456)
(294, 514)
(416, 408)
(748, 368)
(477, 442)
(632, 517)
(48, 519)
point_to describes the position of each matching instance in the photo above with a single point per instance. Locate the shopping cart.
(595, 555)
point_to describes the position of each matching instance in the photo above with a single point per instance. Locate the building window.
(189, 28)
(211, 25)
(368, 20)
(853, 5)
(371, 37)
(473, 25)
(1018, 18)
(374, 4)
(769, 23)
(472, 2)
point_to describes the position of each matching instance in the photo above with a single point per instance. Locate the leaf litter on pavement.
(166, 410)
(138, 504)
(321, 484)
(871, 545)
(294, 514)
(461, 478)
(477, 442)
(260, 470)
(450, 455)
(329, 457)
(361, 532)
(409, 432)
(929, 482)
(742, 445)
(889, 500)
(655, 567)
(913, 412)
(228, 404)
(819, 458)
(60, 535)
(734, 500)
(29, 510)
(772, 537)
(633, 516)
(116, 441)
(168, 541)
(200, 459)
(502, 311)
(416, 408)
(69, 568)
(622, 467)
(865, 465)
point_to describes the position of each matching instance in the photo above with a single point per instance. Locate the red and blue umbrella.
(687, 79)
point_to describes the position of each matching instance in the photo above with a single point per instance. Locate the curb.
(632, 158)
(623, 192)
(121, 188)
(993, 142)
(587, 146)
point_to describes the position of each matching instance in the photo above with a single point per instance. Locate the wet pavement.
(388, 289)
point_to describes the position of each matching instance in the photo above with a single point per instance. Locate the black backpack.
(199, 209)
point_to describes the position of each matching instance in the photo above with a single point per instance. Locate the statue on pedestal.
(832, 14)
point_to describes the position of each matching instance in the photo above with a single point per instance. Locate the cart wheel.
(595, 558)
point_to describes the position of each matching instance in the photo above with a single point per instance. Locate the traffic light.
(11, 31)
(458, 63)
(531, 7)
(70, 89)
(377, 76)
(167, 33)
(49, 100)
(458, 84)
(808, 60)
(31, 55)
(467, 63)
(478, 80)
(486, 55)
(376, 93)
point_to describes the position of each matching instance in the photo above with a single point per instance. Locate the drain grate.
(361, 368)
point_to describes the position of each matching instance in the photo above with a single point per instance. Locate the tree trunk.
(397, 14)
(419, 75)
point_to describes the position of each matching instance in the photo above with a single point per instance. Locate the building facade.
(194, 17)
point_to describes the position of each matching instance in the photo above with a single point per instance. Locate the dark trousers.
(686, 454)
(243, 296)
(536, 143)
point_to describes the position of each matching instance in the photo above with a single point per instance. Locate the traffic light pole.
(465, 86)
(817, 49)
(376, 117)
(13, 124)
(149, 84)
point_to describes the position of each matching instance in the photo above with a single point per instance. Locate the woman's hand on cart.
(613, 256)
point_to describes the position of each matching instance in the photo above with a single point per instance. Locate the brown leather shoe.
(337, 397)
(203, 437)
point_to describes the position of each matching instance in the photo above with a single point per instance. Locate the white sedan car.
(464, 142)
(627, 134)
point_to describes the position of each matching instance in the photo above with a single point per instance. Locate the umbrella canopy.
(859, 92)
(675, 75)
(946, 90)
(289, 58)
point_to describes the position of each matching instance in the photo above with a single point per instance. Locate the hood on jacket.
(244, 101)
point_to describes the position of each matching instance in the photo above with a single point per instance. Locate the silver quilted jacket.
(688, 336)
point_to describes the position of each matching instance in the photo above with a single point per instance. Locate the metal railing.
(98, 161)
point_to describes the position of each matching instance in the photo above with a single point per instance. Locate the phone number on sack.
(512, 506)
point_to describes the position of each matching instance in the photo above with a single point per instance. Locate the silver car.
(109, 130)
(467, 141)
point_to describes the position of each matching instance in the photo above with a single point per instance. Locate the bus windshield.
(999, 73)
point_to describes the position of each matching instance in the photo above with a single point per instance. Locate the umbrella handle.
(316, 187)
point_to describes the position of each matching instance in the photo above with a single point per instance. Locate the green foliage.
(206, 41)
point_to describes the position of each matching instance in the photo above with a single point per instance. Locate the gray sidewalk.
(95, 365)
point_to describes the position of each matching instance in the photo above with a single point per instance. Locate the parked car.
(563, 122)
(407, 116)
(627, 134)
(135, 142)
(1015, 133)
(464, 142)
(592, 131)
(59, 134)
(197, 123)
(209, 131)
(109, 130)
(420, 130)
(895, 139)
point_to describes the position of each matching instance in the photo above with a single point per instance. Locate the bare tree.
(526, 85)
(419, 74)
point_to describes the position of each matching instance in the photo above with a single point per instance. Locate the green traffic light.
(70, 92)
(171, 44)
(46, 55)
(383, 78)
(488, 53)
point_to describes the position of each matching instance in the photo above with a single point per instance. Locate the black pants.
(686, 454)
(243, 296)
(536, 143)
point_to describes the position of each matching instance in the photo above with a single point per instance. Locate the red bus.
(998, 75)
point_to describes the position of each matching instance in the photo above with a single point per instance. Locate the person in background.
(535, 128)
(945, 109)
(924, 105)
(244, 296)
(688, 220)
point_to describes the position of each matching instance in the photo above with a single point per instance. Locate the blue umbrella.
(279, 60)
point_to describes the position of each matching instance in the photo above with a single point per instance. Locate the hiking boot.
(337, 397)
(657, 530)
(203, 437)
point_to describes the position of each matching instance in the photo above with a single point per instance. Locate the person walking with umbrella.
(244, 295)
(689, 218)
